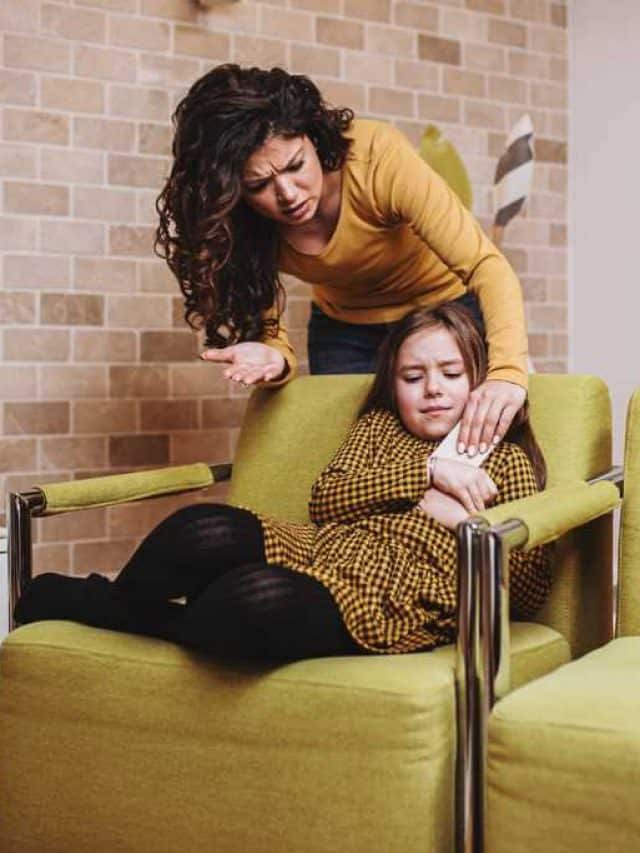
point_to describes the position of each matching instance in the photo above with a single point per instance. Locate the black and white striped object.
(514, 173)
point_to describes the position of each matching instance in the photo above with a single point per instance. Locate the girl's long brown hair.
(222, 253)
(459, 322)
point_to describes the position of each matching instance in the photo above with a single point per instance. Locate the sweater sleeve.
(530, 575)
(406, 189)
(281, 343)
(358, 482)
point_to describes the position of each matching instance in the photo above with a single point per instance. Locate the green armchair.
(111, 742)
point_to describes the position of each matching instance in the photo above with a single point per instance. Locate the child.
(374, 571)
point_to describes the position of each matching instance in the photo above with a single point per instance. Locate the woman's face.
(431, 383)
(283, 180)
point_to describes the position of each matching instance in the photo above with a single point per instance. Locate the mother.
(267, 179)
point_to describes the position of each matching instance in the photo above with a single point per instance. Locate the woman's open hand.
(443, 508)
(488, 414)
(470, 486)
(249, 362)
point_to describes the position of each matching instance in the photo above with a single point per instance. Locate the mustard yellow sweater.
(403, 240)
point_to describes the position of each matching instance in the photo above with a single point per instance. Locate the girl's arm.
(360, 482)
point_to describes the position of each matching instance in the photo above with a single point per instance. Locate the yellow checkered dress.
(390, 567)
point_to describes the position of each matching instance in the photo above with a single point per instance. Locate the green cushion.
(629, 580)
(175, 752)
(564, 758)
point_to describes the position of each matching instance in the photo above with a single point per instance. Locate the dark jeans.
(337, 347)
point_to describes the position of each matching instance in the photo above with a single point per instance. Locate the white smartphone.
(448, 449)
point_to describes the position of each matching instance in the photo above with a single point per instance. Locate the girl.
(268, 179)
(374, 571)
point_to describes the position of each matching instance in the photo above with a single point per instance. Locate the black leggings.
(237, 603)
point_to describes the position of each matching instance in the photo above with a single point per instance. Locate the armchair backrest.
(290, 434)
(629, 551)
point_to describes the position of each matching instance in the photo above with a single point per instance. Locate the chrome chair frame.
(483, 635)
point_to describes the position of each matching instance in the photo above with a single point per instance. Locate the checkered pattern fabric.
(390, 567)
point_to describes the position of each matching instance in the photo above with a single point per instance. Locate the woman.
(374, 571)
(268, 179)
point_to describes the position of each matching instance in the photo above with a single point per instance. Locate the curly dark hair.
(223, 254)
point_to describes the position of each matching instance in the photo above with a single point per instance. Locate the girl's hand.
(250, 362)
(488, 414)
(470, 486)
(443, 508)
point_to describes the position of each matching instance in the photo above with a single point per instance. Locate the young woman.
(374, 571)
(268, 179)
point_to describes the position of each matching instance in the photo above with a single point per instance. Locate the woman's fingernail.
(471, 451)
(496, 439)
(461, 447)
(483, 447)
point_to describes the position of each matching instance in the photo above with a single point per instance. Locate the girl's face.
(431, 384)
(283, 180)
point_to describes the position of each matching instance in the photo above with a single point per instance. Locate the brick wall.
(98, 370)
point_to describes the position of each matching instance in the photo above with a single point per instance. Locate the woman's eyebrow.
(255, 176)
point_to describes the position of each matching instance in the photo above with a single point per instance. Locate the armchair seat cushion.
(564, 758)
(149, 747)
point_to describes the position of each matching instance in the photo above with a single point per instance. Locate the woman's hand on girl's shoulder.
(443, 508)
(249, 362)
(470, 486)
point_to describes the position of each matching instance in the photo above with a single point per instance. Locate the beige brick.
(327, 7)
(549, 262)
(211, 446)
(559, 125)
(18, 161)
(530, 10)
(166, 70)
(549, 40)
(146, 207)
(507, 89)
(104, 274)
(493, 7)
(156, 277)
(22, 16)
(105, 134)
(137, 171)
(104, 63)
(507, 32)
(147, 35)
(546, 206)
(77, 24)
(104, 204)
(478, 114)
(18, 383)
(36, 271)
(458, 82)
(551, 150)
(17, 235)
(547, 317)
(306, 59)
(104, 416)
(238, 17)
(46, 345)
(558, 290)
(139, 312)
(39, 53)
(197, 42)
(17, 454)
(344, 94)
(177, 313)
(340, 33)
(484, 57)
(558, 69)
(155, 139)
(438, 108)
(558, 234)
(558, 179)
(134, 450)
(66, 528)
(538, 345)
(72, 309)
(67, 382)
(416, 75)
(546, 95)
(524, 64)
(464, 25)
(36, 126)
(534, 289)
(174, 9)
(168, 346)
(369, 10)
(168, 414)
(252, 50)
(539, 118)
(82, 96)
(437, 49)
(559, 344)
(17, 308)
(17, 87)
(59, 454)
(391, 101)
(82, 238)
(218, 414)
(47, 199)
(72, 166)
(51, 558)
(103, 346)
(201, 379)
(131, 240)
(137, 519)
(416, 17)
(558, 15)
(413, 130)
(138, 381)
(111, 5)
(286, 24)
(390, 40)
(103, 557)
(528, 232)
(135, 102)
